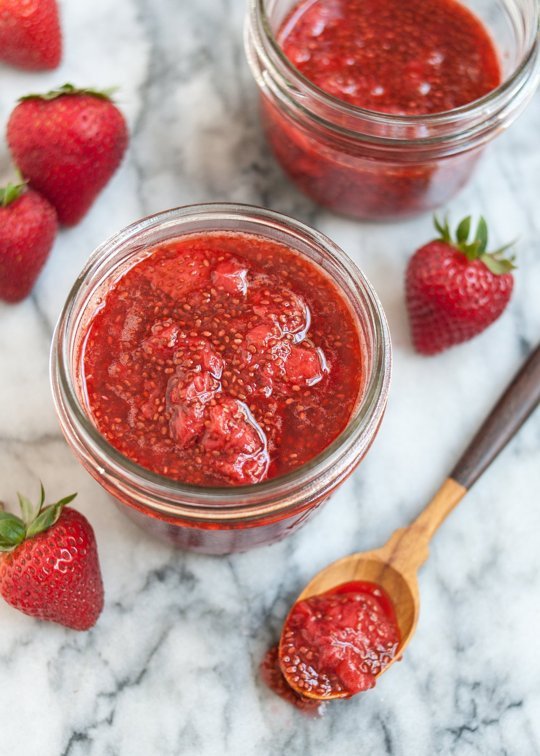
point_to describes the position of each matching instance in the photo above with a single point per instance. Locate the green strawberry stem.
(476, 248)
(11, 192)
(14, 530)
(69, 89)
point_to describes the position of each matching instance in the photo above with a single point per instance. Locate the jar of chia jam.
(380, 111)
(220, 370)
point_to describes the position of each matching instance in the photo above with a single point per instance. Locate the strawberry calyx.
(69, 89)
(475, 248)
(11, 192)
(14, 530)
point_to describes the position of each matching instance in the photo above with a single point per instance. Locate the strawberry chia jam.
(220, 370)
(380, 110)
(222, 359)
(422, 56)
(333, 645)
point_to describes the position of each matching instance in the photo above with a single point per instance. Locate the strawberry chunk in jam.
(177, 280)
(222, 359)
(305, 366)
(230, 275)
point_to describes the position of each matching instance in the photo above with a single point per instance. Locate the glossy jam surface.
(222, 359)
(337, 643)
(414, 57)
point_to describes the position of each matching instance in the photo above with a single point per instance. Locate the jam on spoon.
(336, 643)
(333, 645)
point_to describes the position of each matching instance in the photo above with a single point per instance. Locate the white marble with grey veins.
(171, 668)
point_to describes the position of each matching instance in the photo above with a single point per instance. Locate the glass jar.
(379, 166)
(217, 520)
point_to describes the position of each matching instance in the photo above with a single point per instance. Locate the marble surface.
(171, 668)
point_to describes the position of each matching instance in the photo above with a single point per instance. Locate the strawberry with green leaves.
(49, 565)
(27, 231)
(68, 143)
(455, 288)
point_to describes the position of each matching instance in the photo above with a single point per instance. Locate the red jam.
(222, 359)
(335, 643)
(414, 57)
(273, 677)
(411, 58)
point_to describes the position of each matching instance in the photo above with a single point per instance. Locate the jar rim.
(175, 497)
(503, 96)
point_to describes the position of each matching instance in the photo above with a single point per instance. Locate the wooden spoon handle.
(409, 546)
(515, 405)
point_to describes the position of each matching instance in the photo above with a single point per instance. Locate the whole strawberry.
(455, 289)
(30, 36)
(27, 230)
(68, 143)
(49, 567)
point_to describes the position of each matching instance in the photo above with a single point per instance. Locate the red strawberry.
(68, 143)
(50, 568)
(30, 35)
(27, 230)
(454, 288)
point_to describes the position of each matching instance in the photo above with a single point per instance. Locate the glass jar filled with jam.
(220, 370)
(381, 110)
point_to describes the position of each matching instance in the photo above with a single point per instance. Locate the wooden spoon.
(395, 565)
